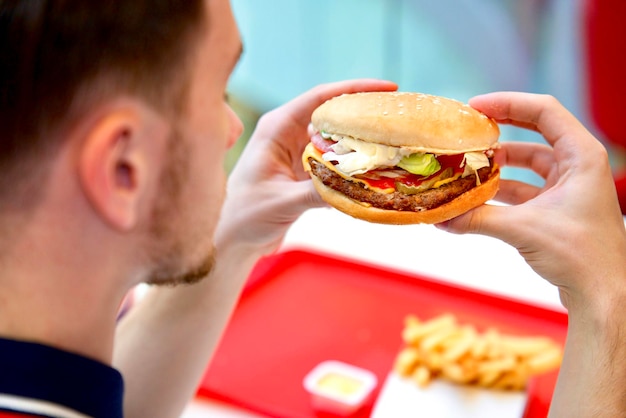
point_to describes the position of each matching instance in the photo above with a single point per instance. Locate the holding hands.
(268, 189)
(571, 232)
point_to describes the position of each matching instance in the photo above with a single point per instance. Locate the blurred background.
(572, 49)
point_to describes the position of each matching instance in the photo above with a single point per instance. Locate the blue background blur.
(453, 48)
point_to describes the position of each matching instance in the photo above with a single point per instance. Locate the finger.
(302, 106)
(542, 113)
(300, 197)
(490, 220)
(311, 198)
(536, 157)
(515, 192)
(292, 119)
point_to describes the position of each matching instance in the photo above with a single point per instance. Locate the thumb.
(310, 197)
(491, 220)
(299, 197)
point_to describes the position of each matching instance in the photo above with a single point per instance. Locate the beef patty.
(425, 200)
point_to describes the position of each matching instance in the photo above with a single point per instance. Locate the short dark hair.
(52, 51)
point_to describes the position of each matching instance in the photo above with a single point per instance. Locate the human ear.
(115, 160)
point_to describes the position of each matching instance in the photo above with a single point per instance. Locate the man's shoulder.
(39, 380)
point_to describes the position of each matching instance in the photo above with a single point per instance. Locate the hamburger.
(402, 158)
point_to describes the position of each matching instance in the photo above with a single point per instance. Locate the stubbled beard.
(187, 277)
(168, 254)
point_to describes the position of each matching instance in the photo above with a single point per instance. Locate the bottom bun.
(463, 203)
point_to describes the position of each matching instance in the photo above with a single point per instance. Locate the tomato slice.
(453, 161)
(387, 178)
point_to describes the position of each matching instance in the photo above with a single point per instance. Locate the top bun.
(421, 122)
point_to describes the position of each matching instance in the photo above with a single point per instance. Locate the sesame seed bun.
(421, 122)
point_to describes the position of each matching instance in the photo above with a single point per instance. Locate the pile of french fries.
(442, 348)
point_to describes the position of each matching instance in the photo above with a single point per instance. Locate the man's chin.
(186, 277)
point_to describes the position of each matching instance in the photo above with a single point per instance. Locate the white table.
(471, 260)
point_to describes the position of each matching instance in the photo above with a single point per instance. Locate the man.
(114, 126)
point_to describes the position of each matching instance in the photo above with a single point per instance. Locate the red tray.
(300, 308)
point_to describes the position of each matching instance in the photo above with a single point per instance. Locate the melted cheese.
(446, 181)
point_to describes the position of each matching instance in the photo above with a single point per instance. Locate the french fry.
(437, 337)
(456, 373)
(441, 347)
(461, 345)
(406, 361)
(422, 376)
(487, 379)
(480, 347)
(432, 360)
(494, 347)
(411, 333)
(501, 364)
(411, 320)
(416, 331)
(512, 380)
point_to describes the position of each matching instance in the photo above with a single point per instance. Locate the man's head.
(135, 90)
(60, 57)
